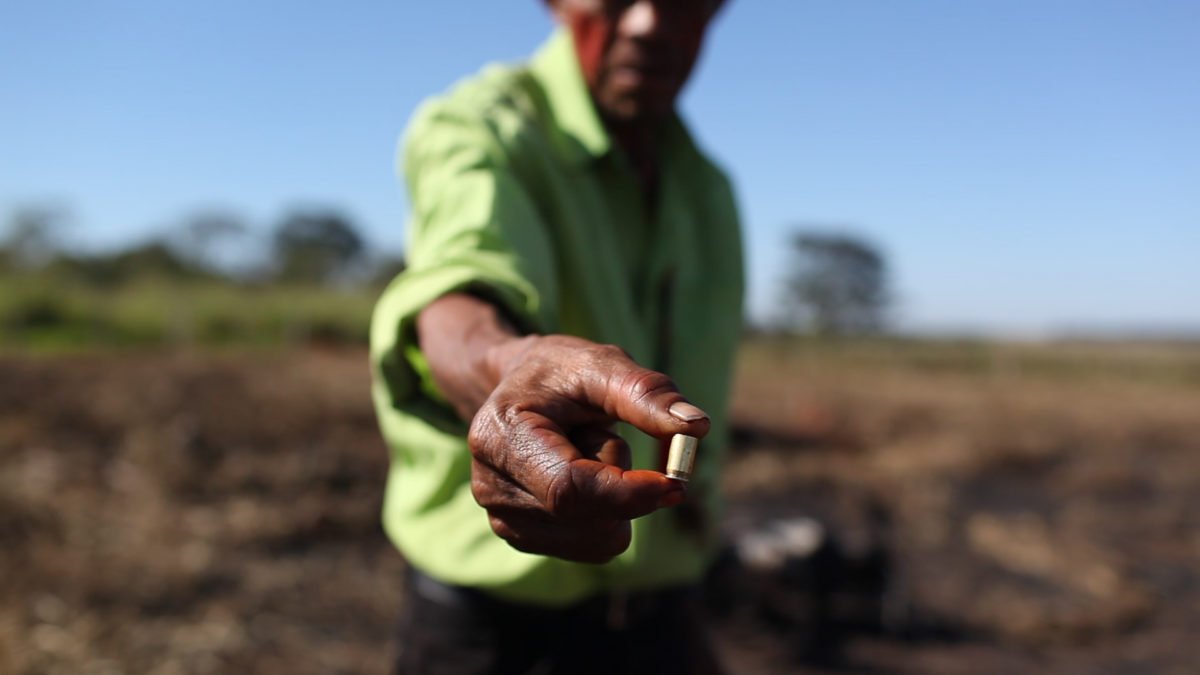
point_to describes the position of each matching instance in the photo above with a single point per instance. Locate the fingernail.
(682, 410)
(671, 499)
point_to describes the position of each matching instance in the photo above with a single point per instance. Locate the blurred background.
(968, 402)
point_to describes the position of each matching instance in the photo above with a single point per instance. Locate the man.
(574, 265)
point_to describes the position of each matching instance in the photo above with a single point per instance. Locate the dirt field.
(1034, 510)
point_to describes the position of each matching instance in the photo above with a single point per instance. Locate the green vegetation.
(315, 284)
(48, 312)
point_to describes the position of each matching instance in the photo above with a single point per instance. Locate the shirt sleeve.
(473, 228)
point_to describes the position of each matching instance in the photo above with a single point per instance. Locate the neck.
(640, 142)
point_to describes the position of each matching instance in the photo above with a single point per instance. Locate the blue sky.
(1028, 165)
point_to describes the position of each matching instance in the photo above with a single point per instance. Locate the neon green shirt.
(518, 194)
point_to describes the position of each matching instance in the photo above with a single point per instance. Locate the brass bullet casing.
(682, 457)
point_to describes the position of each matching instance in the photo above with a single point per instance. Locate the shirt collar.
(556, 68)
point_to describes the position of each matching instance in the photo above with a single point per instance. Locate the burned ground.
(213, 513)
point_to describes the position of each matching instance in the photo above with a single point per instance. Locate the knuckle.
(601, 356)
(482, 490)
(514, 539)
(484, 427)
(610, 351)
(493, 430)
(502, 529)
(642, 384)
(515, 417)
(561, 495)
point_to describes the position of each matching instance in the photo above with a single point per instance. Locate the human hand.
(547, 466)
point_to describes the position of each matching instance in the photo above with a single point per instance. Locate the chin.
(635, 109)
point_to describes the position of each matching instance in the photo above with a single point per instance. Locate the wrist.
(504, 354)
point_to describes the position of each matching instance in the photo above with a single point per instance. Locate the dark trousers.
(453, 630)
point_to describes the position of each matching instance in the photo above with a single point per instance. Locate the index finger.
(647, 399)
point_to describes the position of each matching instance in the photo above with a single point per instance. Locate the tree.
(153, 259)
(838, 284)
(204, 236)
(315, 246)
(32, 237)
(385, 268)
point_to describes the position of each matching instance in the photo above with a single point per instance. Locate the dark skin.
(547, 466)
(636, 57)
